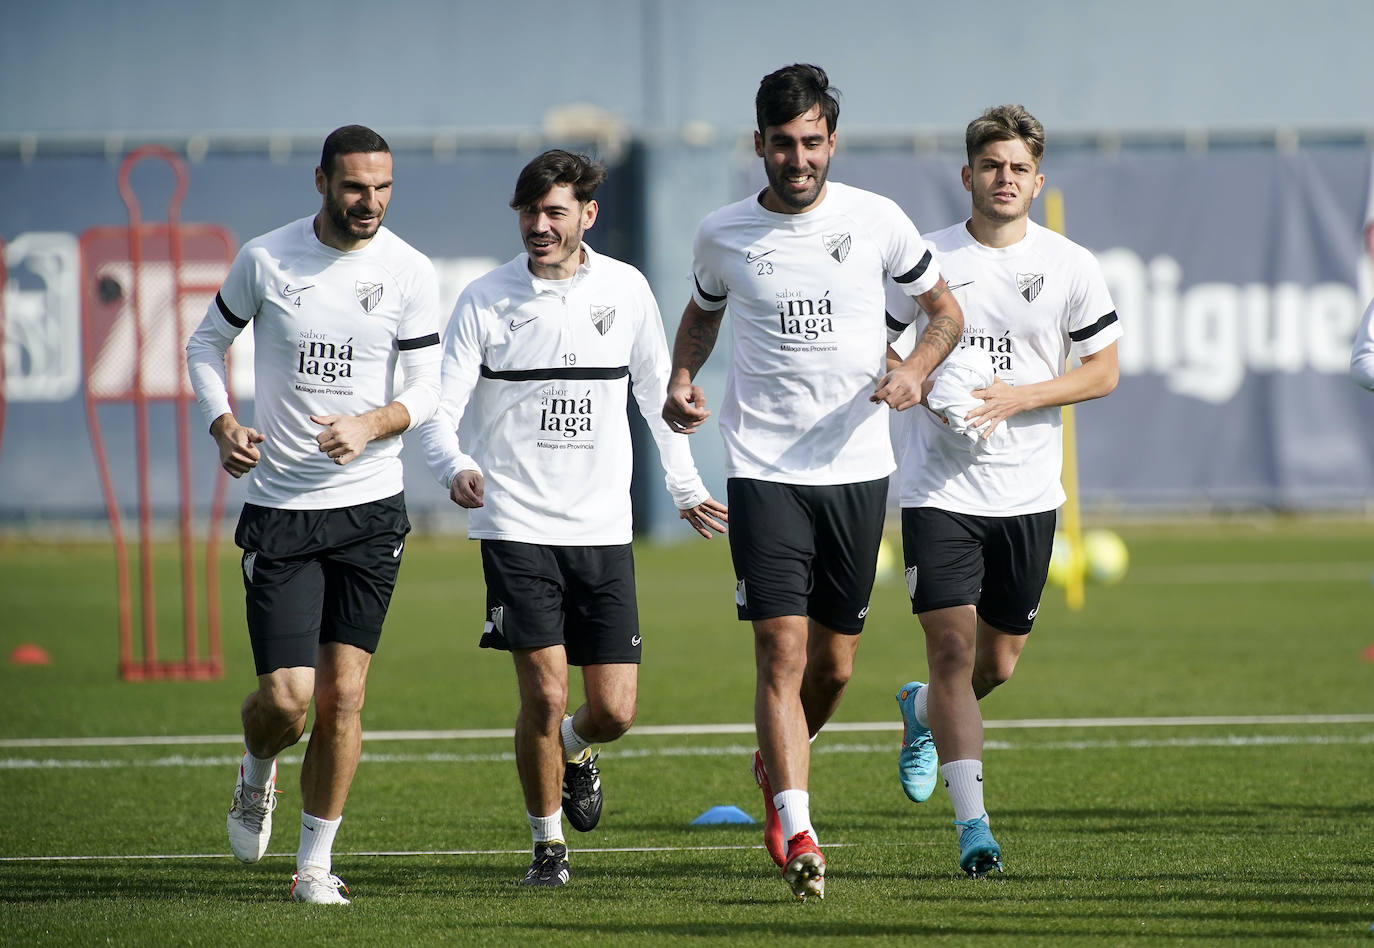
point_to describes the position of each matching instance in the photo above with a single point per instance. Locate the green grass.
(1192, 834)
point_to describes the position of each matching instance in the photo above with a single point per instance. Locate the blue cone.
(722, 814)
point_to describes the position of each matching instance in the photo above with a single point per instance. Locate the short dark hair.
(792, 91)
(552, 168)
(349, 140)
(1004, 123)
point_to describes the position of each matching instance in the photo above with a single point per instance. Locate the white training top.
(328, 327)
(1362, 351)
(1030, 305)
(537, 371)
(806, 295)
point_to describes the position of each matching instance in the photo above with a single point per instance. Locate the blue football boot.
(918, 766)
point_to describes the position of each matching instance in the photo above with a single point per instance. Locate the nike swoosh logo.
(516, 324)
(290, 290)
(635, 640)
(751, 257)
(396, 553)
(955, 286)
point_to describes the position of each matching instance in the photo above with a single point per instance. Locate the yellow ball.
(1105, 556)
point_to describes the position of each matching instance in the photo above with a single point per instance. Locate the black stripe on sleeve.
(895, 324)
(1087, 332)
(570, 374)
(418, 343)
(704, 295)
(914, 274)
(229, 317)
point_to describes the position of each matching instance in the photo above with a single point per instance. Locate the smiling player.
(804, 417)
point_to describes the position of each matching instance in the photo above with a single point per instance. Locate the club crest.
(837, 245)
(369, 295)
(602, 317)
(1030, 285)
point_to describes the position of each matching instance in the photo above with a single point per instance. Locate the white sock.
(964, 781)
(794, 809)
(921, 702)
(573, 744)
(546, 829)
(317, 842)
(256, 770)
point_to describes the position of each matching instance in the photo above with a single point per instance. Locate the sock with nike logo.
(964, 782)
(317, 842)
(794, 809)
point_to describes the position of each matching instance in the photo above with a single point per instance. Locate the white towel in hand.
(952, 398)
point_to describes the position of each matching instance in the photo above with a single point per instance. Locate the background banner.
(1239, 274)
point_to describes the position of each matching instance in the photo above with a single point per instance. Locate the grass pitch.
(1251, 822)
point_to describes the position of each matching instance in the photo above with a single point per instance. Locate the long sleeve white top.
(535, 383)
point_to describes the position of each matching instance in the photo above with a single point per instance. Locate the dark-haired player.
(336, 301)
(538, 356)
(804, 415)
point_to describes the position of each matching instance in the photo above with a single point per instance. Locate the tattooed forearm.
(696, 338)
(945, 326)
(941, 335)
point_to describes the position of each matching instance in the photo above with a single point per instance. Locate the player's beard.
(777, 182)
(565, 246)
(352, 226)
(1000, 213)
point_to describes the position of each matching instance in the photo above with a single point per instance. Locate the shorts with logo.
(316, 576)
(806, 550)
(998, 564)
(580, 597)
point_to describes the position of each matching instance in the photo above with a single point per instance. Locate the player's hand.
(237, 453)
(1000, 402)
(901, 388)
(685, 408)
(344, 436)
(466, 489)
(706, 516)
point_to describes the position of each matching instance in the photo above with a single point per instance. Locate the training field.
(1186, 761)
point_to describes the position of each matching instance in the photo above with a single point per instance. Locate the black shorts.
(314, 576)
(580, 597)
(802, 550)
(998, 564)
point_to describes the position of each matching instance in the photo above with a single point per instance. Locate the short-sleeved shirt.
(1030, 305)
(806, 300)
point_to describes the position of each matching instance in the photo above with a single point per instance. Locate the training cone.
(722, 814)
(29, 654)
(1369, 654)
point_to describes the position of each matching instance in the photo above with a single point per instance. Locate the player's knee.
(989, 675)
(284, 699)
(779, 664)
(544, 710)
(610, 721)
(949, 656)
(828, 678)
(337, 699)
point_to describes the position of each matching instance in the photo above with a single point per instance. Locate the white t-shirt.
(537, 371)
(806, 294)
(328, 329)
(1030, 305)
